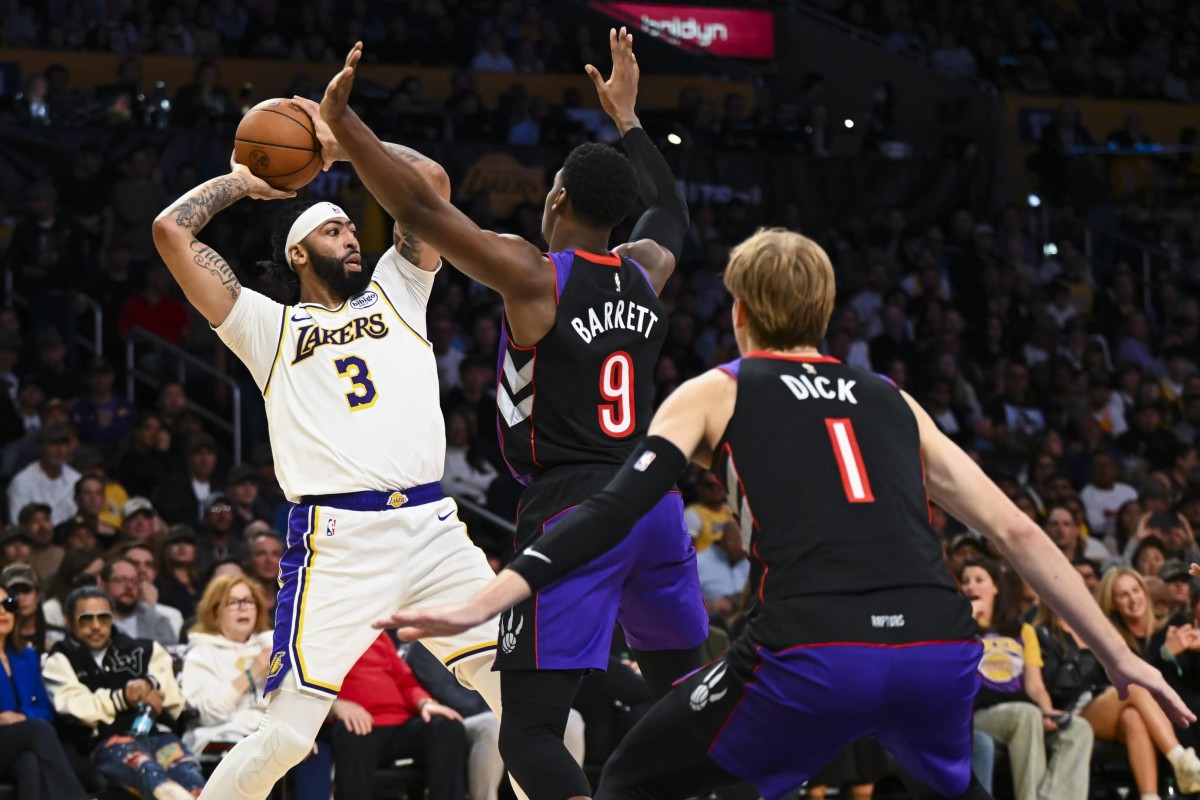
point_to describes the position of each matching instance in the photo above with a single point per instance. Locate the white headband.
(312, 218)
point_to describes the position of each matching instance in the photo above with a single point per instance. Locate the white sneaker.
(1187, 772)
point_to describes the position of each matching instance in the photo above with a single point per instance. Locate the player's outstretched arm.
(687, 424)
(205, 277)
(957, 484)
(657, 238)
(511, 266)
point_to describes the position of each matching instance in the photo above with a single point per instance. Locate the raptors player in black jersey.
(581, 334)
(856, 628)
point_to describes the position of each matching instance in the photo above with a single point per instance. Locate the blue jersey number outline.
(356, 369)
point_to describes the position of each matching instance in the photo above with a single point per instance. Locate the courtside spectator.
(33, 756)
(382, 714)
(224, 672)
(104, 682)
(1013, 706)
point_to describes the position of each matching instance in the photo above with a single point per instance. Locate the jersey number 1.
(616, 386)
(849, 461)
(359, 373)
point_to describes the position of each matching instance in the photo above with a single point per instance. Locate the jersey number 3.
(354, 368)
(849, 461)
(616, 386)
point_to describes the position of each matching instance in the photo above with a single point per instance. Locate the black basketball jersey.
(582, 395)
(822, 465)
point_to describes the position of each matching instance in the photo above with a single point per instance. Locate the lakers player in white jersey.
(350, 386)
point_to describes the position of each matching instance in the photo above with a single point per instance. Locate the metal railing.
(182, 361)
(95, 345)
(1100, 245)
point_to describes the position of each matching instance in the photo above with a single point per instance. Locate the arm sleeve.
(254, 332)
(665, 219)
(73, 699)
(605, 520)
(206, 690)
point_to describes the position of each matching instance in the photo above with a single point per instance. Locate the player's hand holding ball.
(277, 140)
(257, 187)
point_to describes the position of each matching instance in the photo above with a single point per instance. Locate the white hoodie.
(210, 667)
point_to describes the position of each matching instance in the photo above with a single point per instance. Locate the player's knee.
(287, 745)
(512, 739)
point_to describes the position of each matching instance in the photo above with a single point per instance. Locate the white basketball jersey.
(351, 393)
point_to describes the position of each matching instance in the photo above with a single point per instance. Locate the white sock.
(1175, 753)
(1151, 796)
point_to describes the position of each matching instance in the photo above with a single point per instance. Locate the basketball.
(276, 140)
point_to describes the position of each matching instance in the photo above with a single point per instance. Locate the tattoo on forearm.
(407, 153)
(208, 259)
(199, 205)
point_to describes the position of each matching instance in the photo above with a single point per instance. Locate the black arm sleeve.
(665, 219)
(606, 518)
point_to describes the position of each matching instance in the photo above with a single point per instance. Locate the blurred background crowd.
(1008, 192)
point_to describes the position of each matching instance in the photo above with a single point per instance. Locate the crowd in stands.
(1144, 50)
(133, 533)
(511, 36)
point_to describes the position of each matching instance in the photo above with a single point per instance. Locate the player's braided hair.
(281, 280)
(601, 183)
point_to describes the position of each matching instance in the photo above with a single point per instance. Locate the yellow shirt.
(115, 498)
(705, 525)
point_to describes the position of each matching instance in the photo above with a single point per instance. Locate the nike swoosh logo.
(444, 518)
(300, 318)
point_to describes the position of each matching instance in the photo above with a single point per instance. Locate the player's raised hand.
(331, 151)
(1130, 670)
(337, 94)
(618, 95)
(256, 187)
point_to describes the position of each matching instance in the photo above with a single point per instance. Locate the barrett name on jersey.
(582, 395)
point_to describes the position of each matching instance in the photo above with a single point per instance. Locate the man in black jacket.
(105, 682)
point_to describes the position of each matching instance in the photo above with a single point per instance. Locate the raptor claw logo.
(704, 694)
(510, 632)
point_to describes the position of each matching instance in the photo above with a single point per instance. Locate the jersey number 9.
(616, 386)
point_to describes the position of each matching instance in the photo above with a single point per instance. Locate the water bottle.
(143, 724)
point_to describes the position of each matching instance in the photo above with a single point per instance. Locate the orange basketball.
(277, 142)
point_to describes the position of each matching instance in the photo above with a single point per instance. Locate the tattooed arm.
(205, 277)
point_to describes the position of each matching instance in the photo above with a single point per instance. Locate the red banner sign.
(720, 31)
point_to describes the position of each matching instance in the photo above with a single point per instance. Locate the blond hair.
(208, 610)
(1105, 594)
(786, 283)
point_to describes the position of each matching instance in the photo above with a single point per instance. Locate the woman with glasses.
(30, 753)
(224, 673)
(20, 581)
